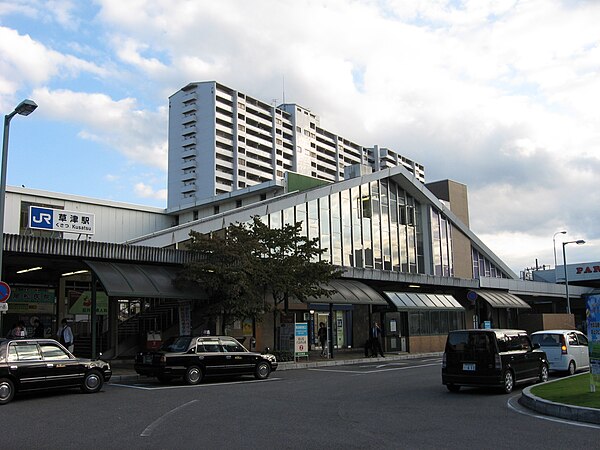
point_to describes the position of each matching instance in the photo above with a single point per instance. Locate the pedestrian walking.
(322, 335)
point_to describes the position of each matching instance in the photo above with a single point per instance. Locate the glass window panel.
(357, 255)
(288, 216)
(346, 228)
(275, 220)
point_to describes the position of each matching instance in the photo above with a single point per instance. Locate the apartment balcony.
(187, 141)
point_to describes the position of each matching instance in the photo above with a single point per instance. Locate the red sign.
(4, 291)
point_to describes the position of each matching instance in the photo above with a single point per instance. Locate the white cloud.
(140, 135)
(145, 191)
(500, 95)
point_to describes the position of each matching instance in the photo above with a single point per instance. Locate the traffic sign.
(3, 307)
(4, 291)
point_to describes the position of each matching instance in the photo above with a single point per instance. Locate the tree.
(222, 271)
(238, 266)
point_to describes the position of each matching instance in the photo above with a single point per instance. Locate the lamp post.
(554, 246)
(24, 108)
(578, 242)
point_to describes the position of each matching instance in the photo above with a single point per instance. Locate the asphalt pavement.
(123, 371)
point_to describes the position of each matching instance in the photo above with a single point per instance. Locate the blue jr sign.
(60, 220)
(41, 218)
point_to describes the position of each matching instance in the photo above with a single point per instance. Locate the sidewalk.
(123, 369)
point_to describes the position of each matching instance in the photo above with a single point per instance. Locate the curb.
(290, 365)
(561, 410)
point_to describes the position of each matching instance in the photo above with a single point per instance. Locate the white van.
(567, 350)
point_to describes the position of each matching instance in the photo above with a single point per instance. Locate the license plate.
(469, 367)
(147, 359)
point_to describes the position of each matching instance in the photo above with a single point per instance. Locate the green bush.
(283, 355)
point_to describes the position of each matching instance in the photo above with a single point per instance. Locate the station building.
(410, 260)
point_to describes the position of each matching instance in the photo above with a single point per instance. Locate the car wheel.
(163, 379)
(193, 375)
(92, 382)
(508, 382)
(262, 370)
(453, 387)
(571, 370)
(7, 390)
(543, 373)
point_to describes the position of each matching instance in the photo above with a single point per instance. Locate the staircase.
(156, 315)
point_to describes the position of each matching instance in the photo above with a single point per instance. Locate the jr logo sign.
(40, 217)
(60, 220)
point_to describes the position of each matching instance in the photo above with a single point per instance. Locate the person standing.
(322, 335)
(65, 335)
(375, 340)
(38, 329)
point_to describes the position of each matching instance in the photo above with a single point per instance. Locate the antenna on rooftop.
(283, 88)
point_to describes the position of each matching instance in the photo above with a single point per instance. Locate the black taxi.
(36, 364)
(193, 358)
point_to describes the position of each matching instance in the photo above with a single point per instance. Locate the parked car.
(567, 350)
(193, 358)
(500, 358)
(34, 364)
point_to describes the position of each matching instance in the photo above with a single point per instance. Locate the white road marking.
(367, 372)
(527, 412)
(153, 425)
(158, 388)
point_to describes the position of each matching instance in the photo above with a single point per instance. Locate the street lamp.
(554, 245)
(24, 108)
(578, 242)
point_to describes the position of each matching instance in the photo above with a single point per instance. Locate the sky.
(499, 95)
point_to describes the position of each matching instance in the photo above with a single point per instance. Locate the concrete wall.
(538, 322)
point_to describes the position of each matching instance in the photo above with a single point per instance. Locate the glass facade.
(441, 245)
(483, 267)
(428, 323)
(374, 225)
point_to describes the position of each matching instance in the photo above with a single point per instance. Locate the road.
(395, 405)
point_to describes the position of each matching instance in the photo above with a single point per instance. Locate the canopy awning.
(502, 299)
(409, 301)
(139, 280)
(350, 292)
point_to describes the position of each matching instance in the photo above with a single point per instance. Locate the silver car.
(567, 350)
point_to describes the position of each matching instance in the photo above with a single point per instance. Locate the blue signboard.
(301, 347)
(593, 331)
(60, 220)
(41, 218)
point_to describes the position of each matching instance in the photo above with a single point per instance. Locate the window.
(216, 209)
(23, 352)
(582, 339)
(195, 214)
(51, 351)
(263, 197)
(208, 346)
(572, 339)
(232, 346)
(238, 203)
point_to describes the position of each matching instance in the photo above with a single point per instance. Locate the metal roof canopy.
(501, 299)
(410, 301)
(350, 292)
(137, 280)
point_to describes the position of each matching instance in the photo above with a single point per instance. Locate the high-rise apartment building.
(221, 140)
